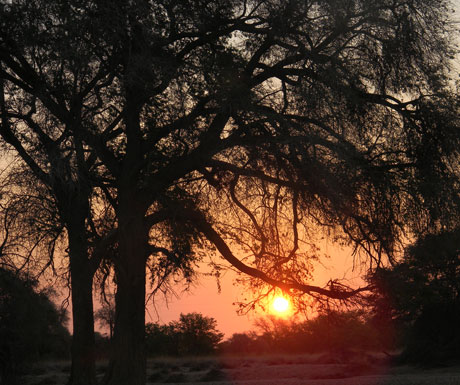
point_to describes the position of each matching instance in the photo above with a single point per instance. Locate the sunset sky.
(242, 184)
(204, 297)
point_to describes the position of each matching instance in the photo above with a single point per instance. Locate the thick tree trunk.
(83, 371)
(128, 363)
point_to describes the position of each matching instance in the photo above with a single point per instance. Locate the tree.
(242, 344)
(421, 295)
(339, 332)
(240, 142)
(31, 326)
(245, 127)
(29, 227)
(193, 334)
(106, 315)
(161, 340)
(45, 99)
(198, 335)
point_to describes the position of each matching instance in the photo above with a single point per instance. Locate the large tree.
(49, 86)
(244, 127)
(251, 125)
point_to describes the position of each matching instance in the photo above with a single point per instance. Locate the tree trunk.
(127, 362)
(83, 370)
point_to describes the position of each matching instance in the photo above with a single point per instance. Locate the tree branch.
(208, 231)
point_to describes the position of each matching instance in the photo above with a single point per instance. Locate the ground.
(319, 369)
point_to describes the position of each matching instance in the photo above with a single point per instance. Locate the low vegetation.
(31, 327)
(332, 331)
(318, 369)
(193, 334)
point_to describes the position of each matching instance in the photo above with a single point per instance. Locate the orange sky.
(204, 297)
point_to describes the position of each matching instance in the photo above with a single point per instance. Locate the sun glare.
(280, 304)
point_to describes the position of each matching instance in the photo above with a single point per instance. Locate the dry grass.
(324, 369)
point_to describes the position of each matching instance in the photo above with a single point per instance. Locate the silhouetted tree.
(235, 141)
(241, 344)
(421, 295)
(198, 334)
(161, 340)
(48, 92)
(29, 227)
(341, 331)
(338, 332)
(31, 327)
(192, 334)
(106, 314)
(239, 126)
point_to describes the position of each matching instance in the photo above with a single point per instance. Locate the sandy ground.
(358, 369)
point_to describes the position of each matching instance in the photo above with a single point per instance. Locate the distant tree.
(106, 316)
(241, 343)
(334, 331)
(31, 327)
(340, 331)
(198, 334)
(277, 334)
(161, 340)
(192, 334)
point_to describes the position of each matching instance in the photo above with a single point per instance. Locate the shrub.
(30, 326)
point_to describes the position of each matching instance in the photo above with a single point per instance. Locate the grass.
(318, 369)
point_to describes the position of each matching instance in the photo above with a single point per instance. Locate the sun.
(280, 305)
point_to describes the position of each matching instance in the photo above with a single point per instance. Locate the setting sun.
(280, 304)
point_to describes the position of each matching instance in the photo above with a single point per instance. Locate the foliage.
(232, 125)
(31, 327)
(192, 334)
(160, 340)
(421, 295)
(333, 331)
(242, 343)
(197, 334)
(250, 112)
(344, 330)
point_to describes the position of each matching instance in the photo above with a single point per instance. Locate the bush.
(332, 331)
(240, 343)
(420, 296)
(434, 338)
(30, 326)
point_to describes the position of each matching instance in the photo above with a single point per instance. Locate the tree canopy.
(237, 126)
(193, 334)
